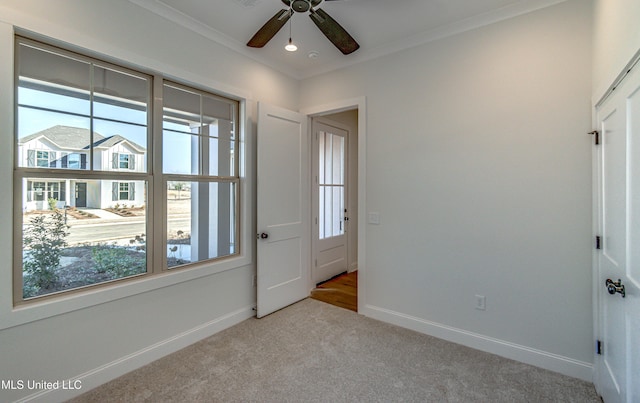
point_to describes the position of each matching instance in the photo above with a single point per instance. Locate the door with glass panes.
(329, 199)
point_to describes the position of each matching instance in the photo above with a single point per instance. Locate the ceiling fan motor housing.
(301, 6)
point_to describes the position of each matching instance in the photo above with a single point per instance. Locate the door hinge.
(598, 347)
(598, 242)
(597, 136)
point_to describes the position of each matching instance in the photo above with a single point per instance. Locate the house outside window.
(83, 144)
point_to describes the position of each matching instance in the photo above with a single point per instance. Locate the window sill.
(65, 303)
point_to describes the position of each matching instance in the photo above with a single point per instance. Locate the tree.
(179, 186)
(44, 238)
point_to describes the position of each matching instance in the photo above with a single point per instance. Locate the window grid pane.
(58, 118)
(201, 221)
(63, 251)
(331, 185)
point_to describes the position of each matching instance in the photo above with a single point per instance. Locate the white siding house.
(65, 147)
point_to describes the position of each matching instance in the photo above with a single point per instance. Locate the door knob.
(615, 287)
(262, 235)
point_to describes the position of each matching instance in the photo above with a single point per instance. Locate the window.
(42, 158)
(123, 161)
(331, 184)
(72, 111)
(83, 131)
(41, 191)
(36, 191)
(201, 176)
(74, 161)
(123, 191)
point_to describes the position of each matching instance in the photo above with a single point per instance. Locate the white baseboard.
(105, 373)
(553, 362)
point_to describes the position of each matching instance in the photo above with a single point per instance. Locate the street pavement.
(112, 227)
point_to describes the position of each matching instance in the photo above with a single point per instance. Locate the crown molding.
(169, 13)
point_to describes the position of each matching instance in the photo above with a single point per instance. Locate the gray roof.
(76, 138)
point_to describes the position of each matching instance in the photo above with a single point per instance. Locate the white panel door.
(283, 250)
(618, 263)
(329, 200)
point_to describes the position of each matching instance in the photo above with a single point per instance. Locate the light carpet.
(315, 352)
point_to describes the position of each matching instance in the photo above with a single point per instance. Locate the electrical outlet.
(481, 303)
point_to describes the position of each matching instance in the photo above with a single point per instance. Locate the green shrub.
(44, 238)
(118, 261)
(53, 203)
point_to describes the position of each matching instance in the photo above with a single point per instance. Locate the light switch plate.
(374, 218)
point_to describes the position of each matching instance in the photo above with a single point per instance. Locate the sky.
(131, 123)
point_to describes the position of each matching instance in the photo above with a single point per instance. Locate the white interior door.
(284, 236)
(618, 263)
(329, 200)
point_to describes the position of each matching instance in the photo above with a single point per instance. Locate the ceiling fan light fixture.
(291, 47)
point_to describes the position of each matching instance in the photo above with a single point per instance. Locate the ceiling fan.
(329, 27)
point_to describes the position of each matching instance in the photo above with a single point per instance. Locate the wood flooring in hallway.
(340, 291)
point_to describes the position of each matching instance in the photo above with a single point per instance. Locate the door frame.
(359, 104)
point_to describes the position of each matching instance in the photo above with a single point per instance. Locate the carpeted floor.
(315, 352)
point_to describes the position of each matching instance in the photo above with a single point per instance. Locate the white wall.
(101, 334)
(616, 40)
(479, 164)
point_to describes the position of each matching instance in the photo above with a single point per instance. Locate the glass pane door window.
(331, 184)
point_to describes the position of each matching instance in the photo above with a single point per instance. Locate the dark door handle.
(262, 235)
(615, 287)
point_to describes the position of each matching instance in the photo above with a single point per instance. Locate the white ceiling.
(381, 27)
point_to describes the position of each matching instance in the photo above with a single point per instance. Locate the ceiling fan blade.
(270, 28)
(334, 31)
